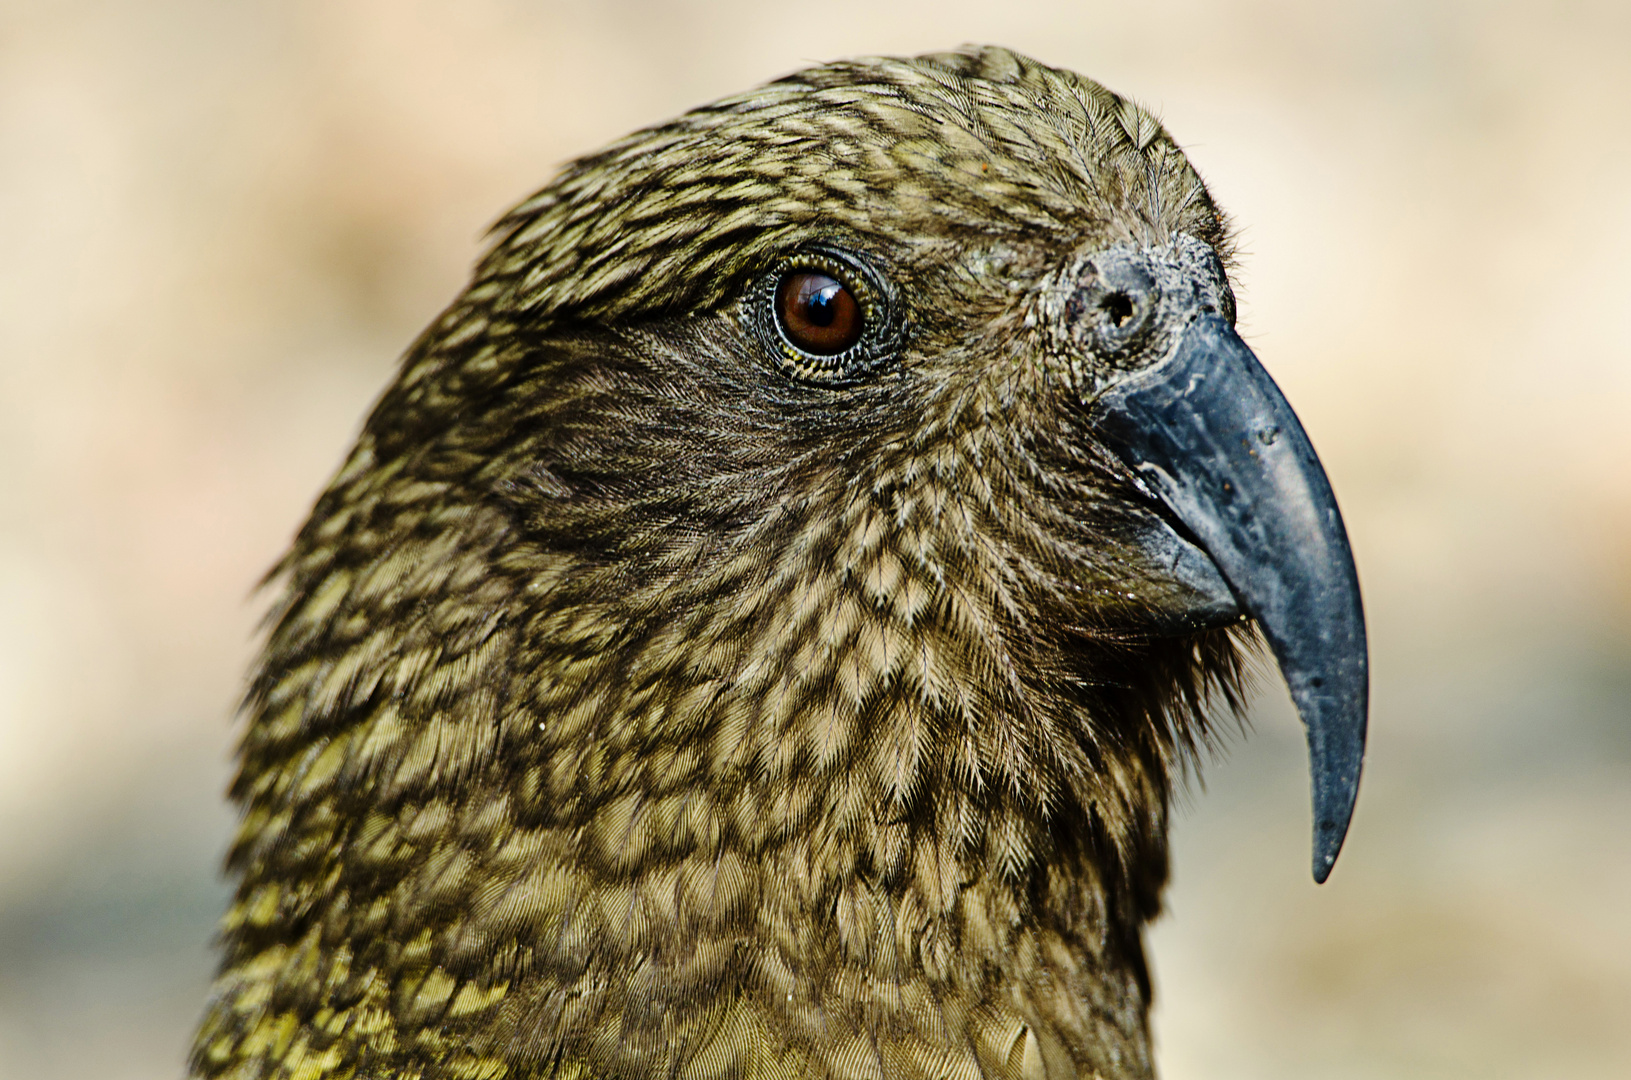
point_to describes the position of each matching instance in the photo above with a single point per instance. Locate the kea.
(760, 630)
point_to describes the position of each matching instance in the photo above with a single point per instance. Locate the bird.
(759, 631)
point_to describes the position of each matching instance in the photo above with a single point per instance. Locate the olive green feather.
(634, 710)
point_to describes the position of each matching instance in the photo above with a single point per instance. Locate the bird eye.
(817, 312)
(826, 315)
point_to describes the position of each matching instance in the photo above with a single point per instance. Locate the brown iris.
(818, 313)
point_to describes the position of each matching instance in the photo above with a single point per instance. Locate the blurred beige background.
(222, 222)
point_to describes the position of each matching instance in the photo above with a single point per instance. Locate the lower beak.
(1211, 435)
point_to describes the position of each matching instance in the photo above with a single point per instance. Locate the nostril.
(1119, 307)
(1115, 303)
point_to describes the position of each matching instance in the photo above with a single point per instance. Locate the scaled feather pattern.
(637, 707)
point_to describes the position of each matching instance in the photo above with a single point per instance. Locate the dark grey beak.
(1208, 431)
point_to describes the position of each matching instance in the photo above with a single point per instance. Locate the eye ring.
(826, 316)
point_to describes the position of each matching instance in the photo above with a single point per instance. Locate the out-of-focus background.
(221, 223)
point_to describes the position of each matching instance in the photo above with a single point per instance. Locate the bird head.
(854, 488)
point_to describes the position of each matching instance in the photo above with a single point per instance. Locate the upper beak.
(1209, 432)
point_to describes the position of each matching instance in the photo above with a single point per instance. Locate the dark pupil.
(821, 303)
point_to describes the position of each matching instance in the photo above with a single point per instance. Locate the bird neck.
(828, 792)
(838, 823)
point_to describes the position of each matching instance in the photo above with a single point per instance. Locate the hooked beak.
(1211, 435)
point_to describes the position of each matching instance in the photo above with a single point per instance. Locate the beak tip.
(1334, 801)
(1328, 837)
